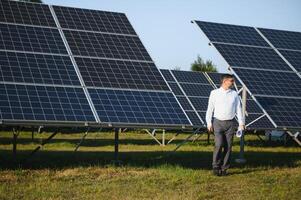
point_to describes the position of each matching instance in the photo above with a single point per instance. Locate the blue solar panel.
(195, 120)
(227, 33)
(175, 88)
(252, 106)
(286, 112)
(43, 103)
(93, 20)
(200, 104)
(252, 57)
(26, 13)
(120, 74)
(196, 89)
(190, 77)
(293, 57)
(271, 83)
(262, 123)
(106, 45)
(122, 106)
(184, 103)
(37, 68)
(31, 39)
(167, 75)
(283, 39)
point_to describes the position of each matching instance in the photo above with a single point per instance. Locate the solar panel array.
(268, 62)
(61, 64)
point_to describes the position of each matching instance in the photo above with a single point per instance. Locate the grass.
(148, 170)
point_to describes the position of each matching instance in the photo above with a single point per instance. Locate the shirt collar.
(223, 90)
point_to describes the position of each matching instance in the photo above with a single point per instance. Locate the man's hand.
(241, 127)
(210, 128)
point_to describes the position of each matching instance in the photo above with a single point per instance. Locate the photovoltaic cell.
(252, 57)
(200, 104)
(293, 57)
(37, 68)
(93, 20)
(271, 83)
(216, 78)
(262, 123)
(120, 74)
(202, 90)
(252, 107)
(175, 88)
(167, 75)
(226, 33)
(194, 118)
(31, 39)
(283, 39)
(286, 112)
(106, 45)
(26, 13)
(27, 102)
(184, 103)
(189, 77)
(122, 106)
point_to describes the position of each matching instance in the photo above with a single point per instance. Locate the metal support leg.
(295, 136)
(241, 158)
(81, 141)
(32, 134)
(163, 137)
(117, 130)
(174, 137)
(15, 137)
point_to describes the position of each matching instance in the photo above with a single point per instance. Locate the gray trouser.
(223, 137)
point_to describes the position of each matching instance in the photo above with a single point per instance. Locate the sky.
(165, 27)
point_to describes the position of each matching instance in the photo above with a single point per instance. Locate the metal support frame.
(82, 140)
(295, 136)
(187, 139)
(44, 142)
(116, 160)
(153, 133)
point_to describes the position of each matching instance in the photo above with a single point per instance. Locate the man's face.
(228, 82)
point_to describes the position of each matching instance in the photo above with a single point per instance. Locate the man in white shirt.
(223, 105)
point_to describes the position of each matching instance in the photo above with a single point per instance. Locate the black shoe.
(216, 172)
(224, 173)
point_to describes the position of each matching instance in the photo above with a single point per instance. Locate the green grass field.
(148, 171)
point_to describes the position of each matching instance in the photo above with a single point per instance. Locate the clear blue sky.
(165, 29)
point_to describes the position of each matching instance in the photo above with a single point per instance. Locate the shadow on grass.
(147, 159)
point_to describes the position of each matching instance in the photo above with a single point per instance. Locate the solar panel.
(271, 83)
(252, 57)
(283, 39)
(79, 65)
(137, 107)
(284, 111)
(120, 74)
(106, 45)
(227, 33)
(31, 39)
(40, 103)
(26, 13)
(175, 88)
(253, 122)
(167, 75)
(195, 120)
(184, 103)
(92, 20)
(200, 104)
(37, 68)
(196, 89)
(293, 57)
(268, 77)
(190, 77)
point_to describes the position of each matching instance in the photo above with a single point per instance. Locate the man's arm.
(240, 117)
(209, 112)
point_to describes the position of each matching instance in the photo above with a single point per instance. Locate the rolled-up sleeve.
(210, 109)
(239, 114)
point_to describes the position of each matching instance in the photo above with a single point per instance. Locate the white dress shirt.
(224, 105)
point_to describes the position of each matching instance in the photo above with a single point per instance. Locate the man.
(224, 104)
